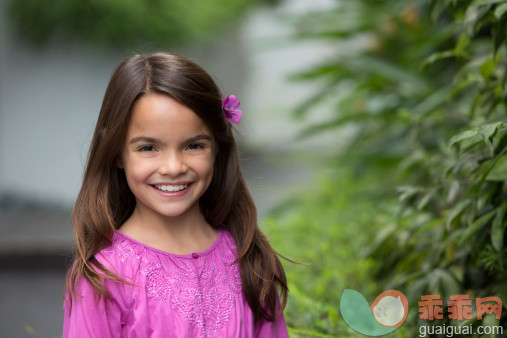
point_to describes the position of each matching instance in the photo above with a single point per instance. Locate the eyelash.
(200, 146)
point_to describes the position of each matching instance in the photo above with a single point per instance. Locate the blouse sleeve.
(275, 329)
(89, 318)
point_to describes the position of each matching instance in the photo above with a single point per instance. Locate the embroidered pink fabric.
(194, 295)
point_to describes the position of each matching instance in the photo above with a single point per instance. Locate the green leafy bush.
(424, 84)
(324, 229)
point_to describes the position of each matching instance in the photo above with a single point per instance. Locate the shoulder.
(111, 257)
(227, 238)
(228, 250)
(120, 256)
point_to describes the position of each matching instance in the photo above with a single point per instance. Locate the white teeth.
(171, 188)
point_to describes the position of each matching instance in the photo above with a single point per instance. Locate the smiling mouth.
(171, 188)
(168, 189)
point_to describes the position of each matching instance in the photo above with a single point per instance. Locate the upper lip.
(175, 183)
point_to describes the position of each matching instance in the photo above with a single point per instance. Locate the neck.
(189, 227)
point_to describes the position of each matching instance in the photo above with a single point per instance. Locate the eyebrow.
(157, 141)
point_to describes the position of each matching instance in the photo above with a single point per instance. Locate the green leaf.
(437, 56)
(437, 8)
(440, 279)
(487, 68)
(425, 199)
(432, 102)
(498, 228)
(467, 82)
(500, 11)
(388, 69)
(449, 283)
(333, 315)
(457, 211)
(491, 259)
(453, 190)
(500, 289)
(476, 225)
(490, 321)
(469, 138)
(333, 124)
(406, 192)
(499, 170)
(465, 140)
(499, 33)
(485, 2)
(428, 226)
(474, 14)
(462, 44)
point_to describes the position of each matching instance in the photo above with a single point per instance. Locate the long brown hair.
(105, 201)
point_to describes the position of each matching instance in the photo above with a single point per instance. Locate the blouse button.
(194, 255)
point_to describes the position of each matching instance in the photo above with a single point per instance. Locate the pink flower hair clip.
(230, 105)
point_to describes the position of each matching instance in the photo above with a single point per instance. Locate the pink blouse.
(194, 295)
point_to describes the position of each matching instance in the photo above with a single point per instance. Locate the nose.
(173, 165)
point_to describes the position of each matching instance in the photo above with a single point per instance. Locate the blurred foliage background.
(126, 23)
(417, 201)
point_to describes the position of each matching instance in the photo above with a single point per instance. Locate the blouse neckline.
(190, 255)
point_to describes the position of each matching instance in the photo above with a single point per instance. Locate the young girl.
(167, 238)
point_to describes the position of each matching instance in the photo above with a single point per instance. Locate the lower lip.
(173, 194)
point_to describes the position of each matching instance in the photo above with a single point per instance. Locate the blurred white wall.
(50, 98)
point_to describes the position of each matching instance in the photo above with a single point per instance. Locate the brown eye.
(195, 146)
(145, 147)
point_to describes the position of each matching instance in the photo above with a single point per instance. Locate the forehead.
(161, 116)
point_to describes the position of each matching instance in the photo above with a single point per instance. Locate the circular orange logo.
(390, 308)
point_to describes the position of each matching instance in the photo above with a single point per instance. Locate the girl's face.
(167, 147)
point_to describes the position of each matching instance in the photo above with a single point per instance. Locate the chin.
(174, 213)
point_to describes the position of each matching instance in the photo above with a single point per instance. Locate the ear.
(119, 163)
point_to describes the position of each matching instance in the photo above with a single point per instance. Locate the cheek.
(205, 168)
(138, 170)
